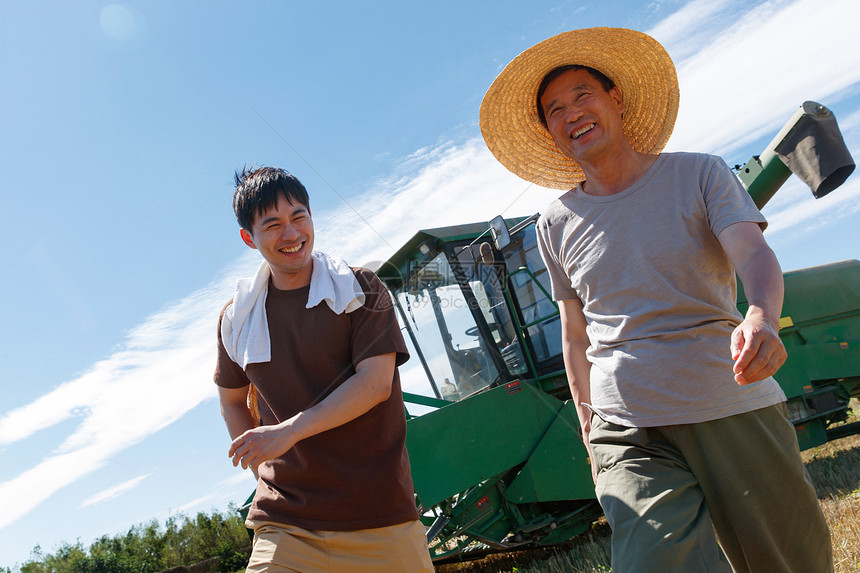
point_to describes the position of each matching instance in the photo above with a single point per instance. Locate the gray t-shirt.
(658, 291)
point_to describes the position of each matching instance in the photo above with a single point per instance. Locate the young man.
(686, 428)
(320, 344)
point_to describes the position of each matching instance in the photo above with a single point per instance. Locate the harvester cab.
(477, 310)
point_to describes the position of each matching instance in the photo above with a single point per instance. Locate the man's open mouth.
(295, 249)
(582, 130)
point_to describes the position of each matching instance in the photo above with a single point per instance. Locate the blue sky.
(122, 124)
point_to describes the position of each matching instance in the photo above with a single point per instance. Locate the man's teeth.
(582, 130)
(292, 249)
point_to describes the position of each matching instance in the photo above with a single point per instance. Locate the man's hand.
(756, 348)
(369, 386)
(261, 444)
(755, 345)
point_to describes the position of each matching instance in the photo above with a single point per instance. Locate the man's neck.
(292, 281)
(617, 172)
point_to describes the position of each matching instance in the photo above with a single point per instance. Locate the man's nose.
(572, 114)
(290, 232)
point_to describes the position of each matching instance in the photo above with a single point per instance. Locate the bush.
(231, 558)
(148, 547)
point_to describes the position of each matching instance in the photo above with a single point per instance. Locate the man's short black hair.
(604, 81)
(258, 190)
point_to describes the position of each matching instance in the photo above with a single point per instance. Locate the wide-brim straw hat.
(636, 62)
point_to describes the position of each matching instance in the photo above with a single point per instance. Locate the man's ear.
(615, 92)
(247, 238)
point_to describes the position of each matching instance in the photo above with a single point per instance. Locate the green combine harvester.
(496, 456)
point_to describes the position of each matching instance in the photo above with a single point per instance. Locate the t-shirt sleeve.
(559, 281)
(228, 374)
(375, 330)
(726, 201)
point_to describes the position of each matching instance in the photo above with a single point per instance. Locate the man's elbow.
(230, 409)
(377, 376)
(382, 388)
(225, 412)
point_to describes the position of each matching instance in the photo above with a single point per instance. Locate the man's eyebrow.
(266, 220)
(578, 87)
(298, 210)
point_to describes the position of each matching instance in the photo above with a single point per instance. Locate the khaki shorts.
(665, 490)
(280, 548)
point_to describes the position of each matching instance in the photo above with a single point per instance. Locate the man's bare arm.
(574, 343)
(369, 386)
(235, 411)
(755, 345)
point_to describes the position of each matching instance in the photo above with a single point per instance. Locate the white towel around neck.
(244, 326)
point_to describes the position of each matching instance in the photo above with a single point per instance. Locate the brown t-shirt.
(355, 476)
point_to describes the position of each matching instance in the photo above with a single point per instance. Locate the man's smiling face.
(284, 235)
(583, 118)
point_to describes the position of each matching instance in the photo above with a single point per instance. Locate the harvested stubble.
(835, 470)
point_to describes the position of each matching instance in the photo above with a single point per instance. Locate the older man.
(686, 427)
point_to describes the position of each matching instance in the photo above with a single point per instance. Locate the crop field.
(834, 468)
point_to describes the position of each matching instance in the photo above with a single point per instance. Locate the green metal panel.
(467, 442)
(814, 362)
(568, 530)
(811, 434)
(558, 468)
(763, 177)
(825, 292)
(410, 398)
(482, 513)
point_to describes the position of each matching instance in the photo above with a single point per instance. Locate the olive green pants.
(665, 490)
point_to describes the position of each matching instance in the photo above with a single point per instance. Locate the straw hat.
(636, 62)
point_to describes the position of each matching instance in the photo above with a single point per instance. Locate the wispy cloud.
(798, 212)
(235, 487)
(761, 67)
(747, 81)
(114, 491)
(199, 502)
(684, 32)
(123, 397)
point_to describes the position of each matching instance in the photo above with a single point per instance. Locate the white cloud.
(114, 491)
(163, 370)
(761, 68)
(694, 25)
(235, 487)
(242, 477)
(448, 185)
(197, 503)
(799, 212)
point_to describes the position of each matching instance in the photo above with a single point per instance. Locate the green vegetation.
(149, 547)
